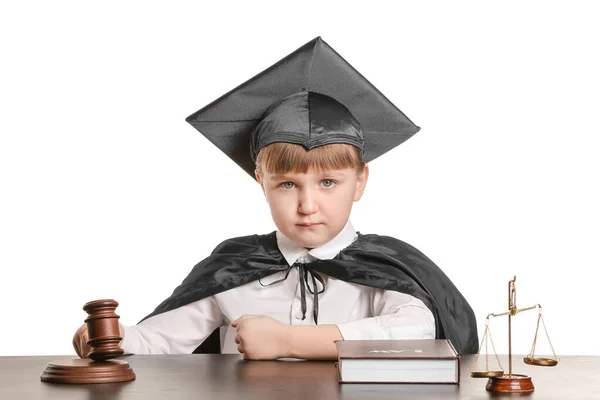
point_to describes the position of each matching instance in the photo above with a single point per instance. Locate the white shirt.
(360, 312)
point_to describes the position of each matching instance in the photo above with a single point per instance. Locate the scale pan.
(540, 361)
(486, 374)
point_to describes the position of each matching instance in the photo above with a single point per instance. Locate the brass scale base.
(500, 382)
(515, 383)
(510, 384)
(87, 371)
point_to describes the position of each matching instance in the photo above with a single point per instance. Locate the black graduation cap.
(312, 90)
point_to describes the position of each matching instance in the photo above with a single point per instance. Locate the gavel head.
(103, 329)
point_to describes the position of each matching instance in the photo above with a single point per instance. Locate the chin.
(310, 242)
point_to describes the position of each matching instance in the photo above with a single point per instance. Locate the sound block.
(87, 371)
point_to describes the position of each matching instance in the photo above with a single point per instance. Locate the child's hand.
(261, 338)
(81, 337)
(80, 342)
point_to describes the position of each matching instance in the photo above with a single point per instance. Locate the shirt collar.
(292, 250)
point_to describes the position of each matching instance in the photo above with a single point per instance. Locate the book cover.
(398, 361)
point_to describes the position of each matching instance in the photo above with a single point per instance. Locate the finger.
(247, 316)
(237, 339)
(81, 350)
(122, 334)
(240, 348)
(238, 320)
(78, 333)
(79, 339)
(85, 347)
(76, 345)
(243, 318)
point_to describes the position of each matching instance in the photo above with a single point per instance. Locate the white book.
(398, 361)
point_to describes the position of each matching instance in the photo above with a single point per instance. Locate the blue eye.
(327, 183)
(287, 185)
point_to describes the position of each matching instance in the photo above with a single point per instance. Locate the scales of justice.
(499, 381)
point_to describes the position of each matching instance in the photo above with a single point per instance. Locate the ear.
(361, 183)
(260, 181)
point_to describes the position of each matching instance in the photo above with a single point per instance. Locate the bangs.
(281, 158)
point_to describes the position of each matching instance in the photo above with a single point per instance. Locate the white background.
(106, 192)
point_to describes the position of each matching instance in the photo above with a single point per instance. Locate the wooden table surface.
(207, 376)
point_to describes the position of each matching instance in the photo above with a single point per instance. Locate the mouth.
(308, 224)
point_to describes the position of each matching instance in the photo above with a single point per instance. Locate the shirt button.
(299, 315)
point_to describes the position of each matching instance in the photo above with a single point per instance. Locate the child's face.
(312, 208)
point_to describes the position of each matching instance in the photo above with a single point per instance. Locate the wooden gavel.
(103, 329)
(104, 338)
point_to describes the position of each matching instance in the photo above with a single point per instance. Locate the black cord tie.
(304, 273)
(303, 276)
(277, 281)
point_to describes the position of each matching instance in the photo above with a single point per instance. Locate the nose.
(307, 202)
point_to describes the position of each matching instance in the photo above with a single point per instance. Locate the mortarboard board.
(311, 97)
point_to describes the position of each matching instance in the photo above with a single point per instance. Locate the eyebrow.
(321, 174)
(279, 177)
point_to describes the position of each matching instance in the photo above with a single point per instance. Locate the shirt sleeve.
(178, 331)
(397, 316)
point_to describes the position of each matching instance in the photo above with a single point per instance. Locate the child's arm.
(314, 342)
(397, 316)
(177, 331)
(263, 338)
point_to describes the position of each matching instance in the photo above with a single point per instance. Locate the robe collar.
(293, 252)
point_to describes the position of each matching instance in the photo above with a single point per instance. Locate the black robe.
(371, 260)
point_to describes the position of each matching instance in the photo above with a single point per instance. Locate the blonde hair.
(281, 158)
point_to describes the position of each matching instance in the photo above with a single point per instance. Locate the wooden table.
(207, 376)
